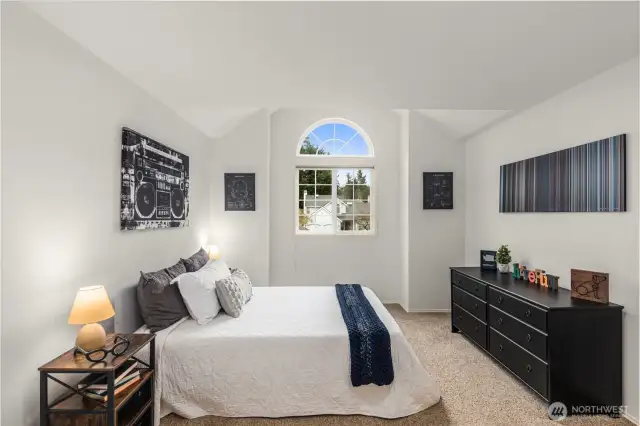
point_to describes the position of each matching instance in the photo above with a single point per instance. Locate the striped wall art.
(585, 178)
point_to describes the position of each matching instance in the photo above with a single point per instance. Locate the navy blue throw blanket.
(369, 340)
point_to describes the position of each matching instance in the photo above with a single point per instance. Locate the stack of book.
(126, 376)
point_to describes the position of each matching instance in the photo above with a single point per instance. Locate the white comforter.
(286, 355)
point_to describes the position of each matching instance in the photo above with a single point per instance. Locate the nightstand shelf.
(134, 406)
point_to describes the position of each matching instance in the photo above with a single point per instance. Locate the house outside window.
(335, 179)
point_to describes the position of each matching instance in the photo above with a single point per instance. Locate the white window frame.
(335, 162)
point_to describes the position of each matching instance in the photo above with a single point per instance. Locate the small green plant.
(503, 256)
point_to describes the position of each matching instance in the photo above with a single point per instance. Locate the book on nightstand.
(101, 394)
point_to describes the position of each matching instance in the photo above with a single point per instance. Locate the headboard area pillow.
(160, 302)
(197, 261)
(198, 290)
(234, 292)
(176, 270)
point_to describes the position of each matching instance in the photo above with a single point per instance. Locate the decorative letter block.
(516, 271)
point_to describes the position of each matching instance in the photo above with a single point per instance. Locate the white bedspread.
(286, 355)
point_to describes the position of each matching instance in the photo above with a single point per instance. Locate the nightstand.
(134, 406)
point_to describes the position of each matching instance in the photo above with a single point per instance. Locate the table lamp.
(91, 305)
(214, 252)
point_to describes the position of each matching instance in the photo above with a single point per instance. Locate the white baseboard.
(428, 311)
(630, 418)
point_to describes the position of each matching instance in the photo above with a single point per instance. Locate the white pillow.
(198, 290)
(220, 266)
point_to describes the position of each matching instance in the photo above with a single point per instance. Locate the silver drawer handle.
(459, 317)
(501, 348)
(528, 337)
(458, 282)
(500, 320)
(475, 306)
(529, 368)
(500, 299)
(477, 328)
(527, 313)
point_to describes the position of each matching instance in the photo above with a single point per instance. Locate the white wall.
(373, 260)
(243, 237)
(62, 113)
(604, 106)
(436, 237)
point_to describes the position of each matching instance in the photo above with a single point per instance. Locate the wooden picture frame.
(590, 285)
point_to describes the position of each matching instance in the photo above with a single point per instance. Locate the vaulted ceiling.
(216, 62)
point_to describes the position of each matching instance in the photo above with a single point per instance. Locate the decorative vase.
(503, 268)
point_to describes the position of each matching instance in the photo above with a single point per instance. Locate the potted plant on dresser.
(503, 258)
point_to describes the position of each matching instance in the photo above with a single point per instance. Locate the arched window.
(335, 137)
(335, 180)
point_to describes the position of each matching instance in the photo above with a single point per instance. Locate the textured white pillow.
(198, 290)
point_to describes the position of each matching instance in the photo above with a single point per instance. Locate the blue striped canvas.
(585, 178)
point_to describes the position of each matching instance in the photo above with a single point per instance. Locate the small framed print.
(488, 260)
(239, 191)
(437, 191)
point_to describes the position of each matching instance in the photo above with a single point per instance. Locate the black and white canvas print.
(437, 191)
(155, 184)
(240, 191)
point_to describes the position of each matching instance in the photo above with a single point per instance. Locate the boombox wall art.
(155, 184)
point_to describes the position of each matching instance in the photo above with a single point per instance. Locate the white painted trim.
(630, 418)
(267, 199)
(429, 311)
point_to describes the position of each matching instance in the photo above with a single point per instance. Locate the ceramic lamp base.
(91, 336)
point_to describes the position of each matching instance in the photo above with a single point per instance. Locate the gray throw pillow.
(197, 261)
(244, 282)
(176, 270)
(161, 304)
(230, 296)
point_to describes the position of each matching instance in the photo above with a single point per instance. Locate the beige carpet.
(475, 390)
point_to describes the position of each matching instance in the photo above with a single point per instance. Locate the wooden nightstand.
(134, 406)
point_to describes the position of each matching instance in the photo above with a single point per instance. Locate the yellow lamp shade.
(214, 252)
(91, 305)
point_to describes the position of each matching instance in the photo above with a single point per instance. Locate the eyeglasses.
(120, 346)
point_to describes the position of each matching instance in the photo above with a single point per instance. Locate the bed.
(286, 355)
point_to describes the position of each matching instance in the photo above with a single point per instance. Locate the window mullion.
(334, 199)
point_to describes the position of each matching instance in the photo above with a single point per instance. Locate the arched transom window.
(334, 180)
(335, 137)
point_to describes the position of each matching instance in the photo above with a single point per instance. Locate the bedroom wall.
(243, 237)
(372, 260)
(62, 113)
(436, 237)
(604, 106)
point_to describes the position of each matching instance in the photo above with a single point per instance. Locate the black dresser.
(565, 349)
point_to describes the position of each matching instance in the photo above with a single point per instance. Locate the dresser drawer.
(472, 304)
(526, 366)
(524, 311)
(471, 326)
(471, 286)
(528, 337)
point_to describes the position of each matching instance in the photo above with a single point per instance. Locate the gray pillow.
(197, 261)
(161, 304)
(230, 296)
(244, 282)
(176, 270)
